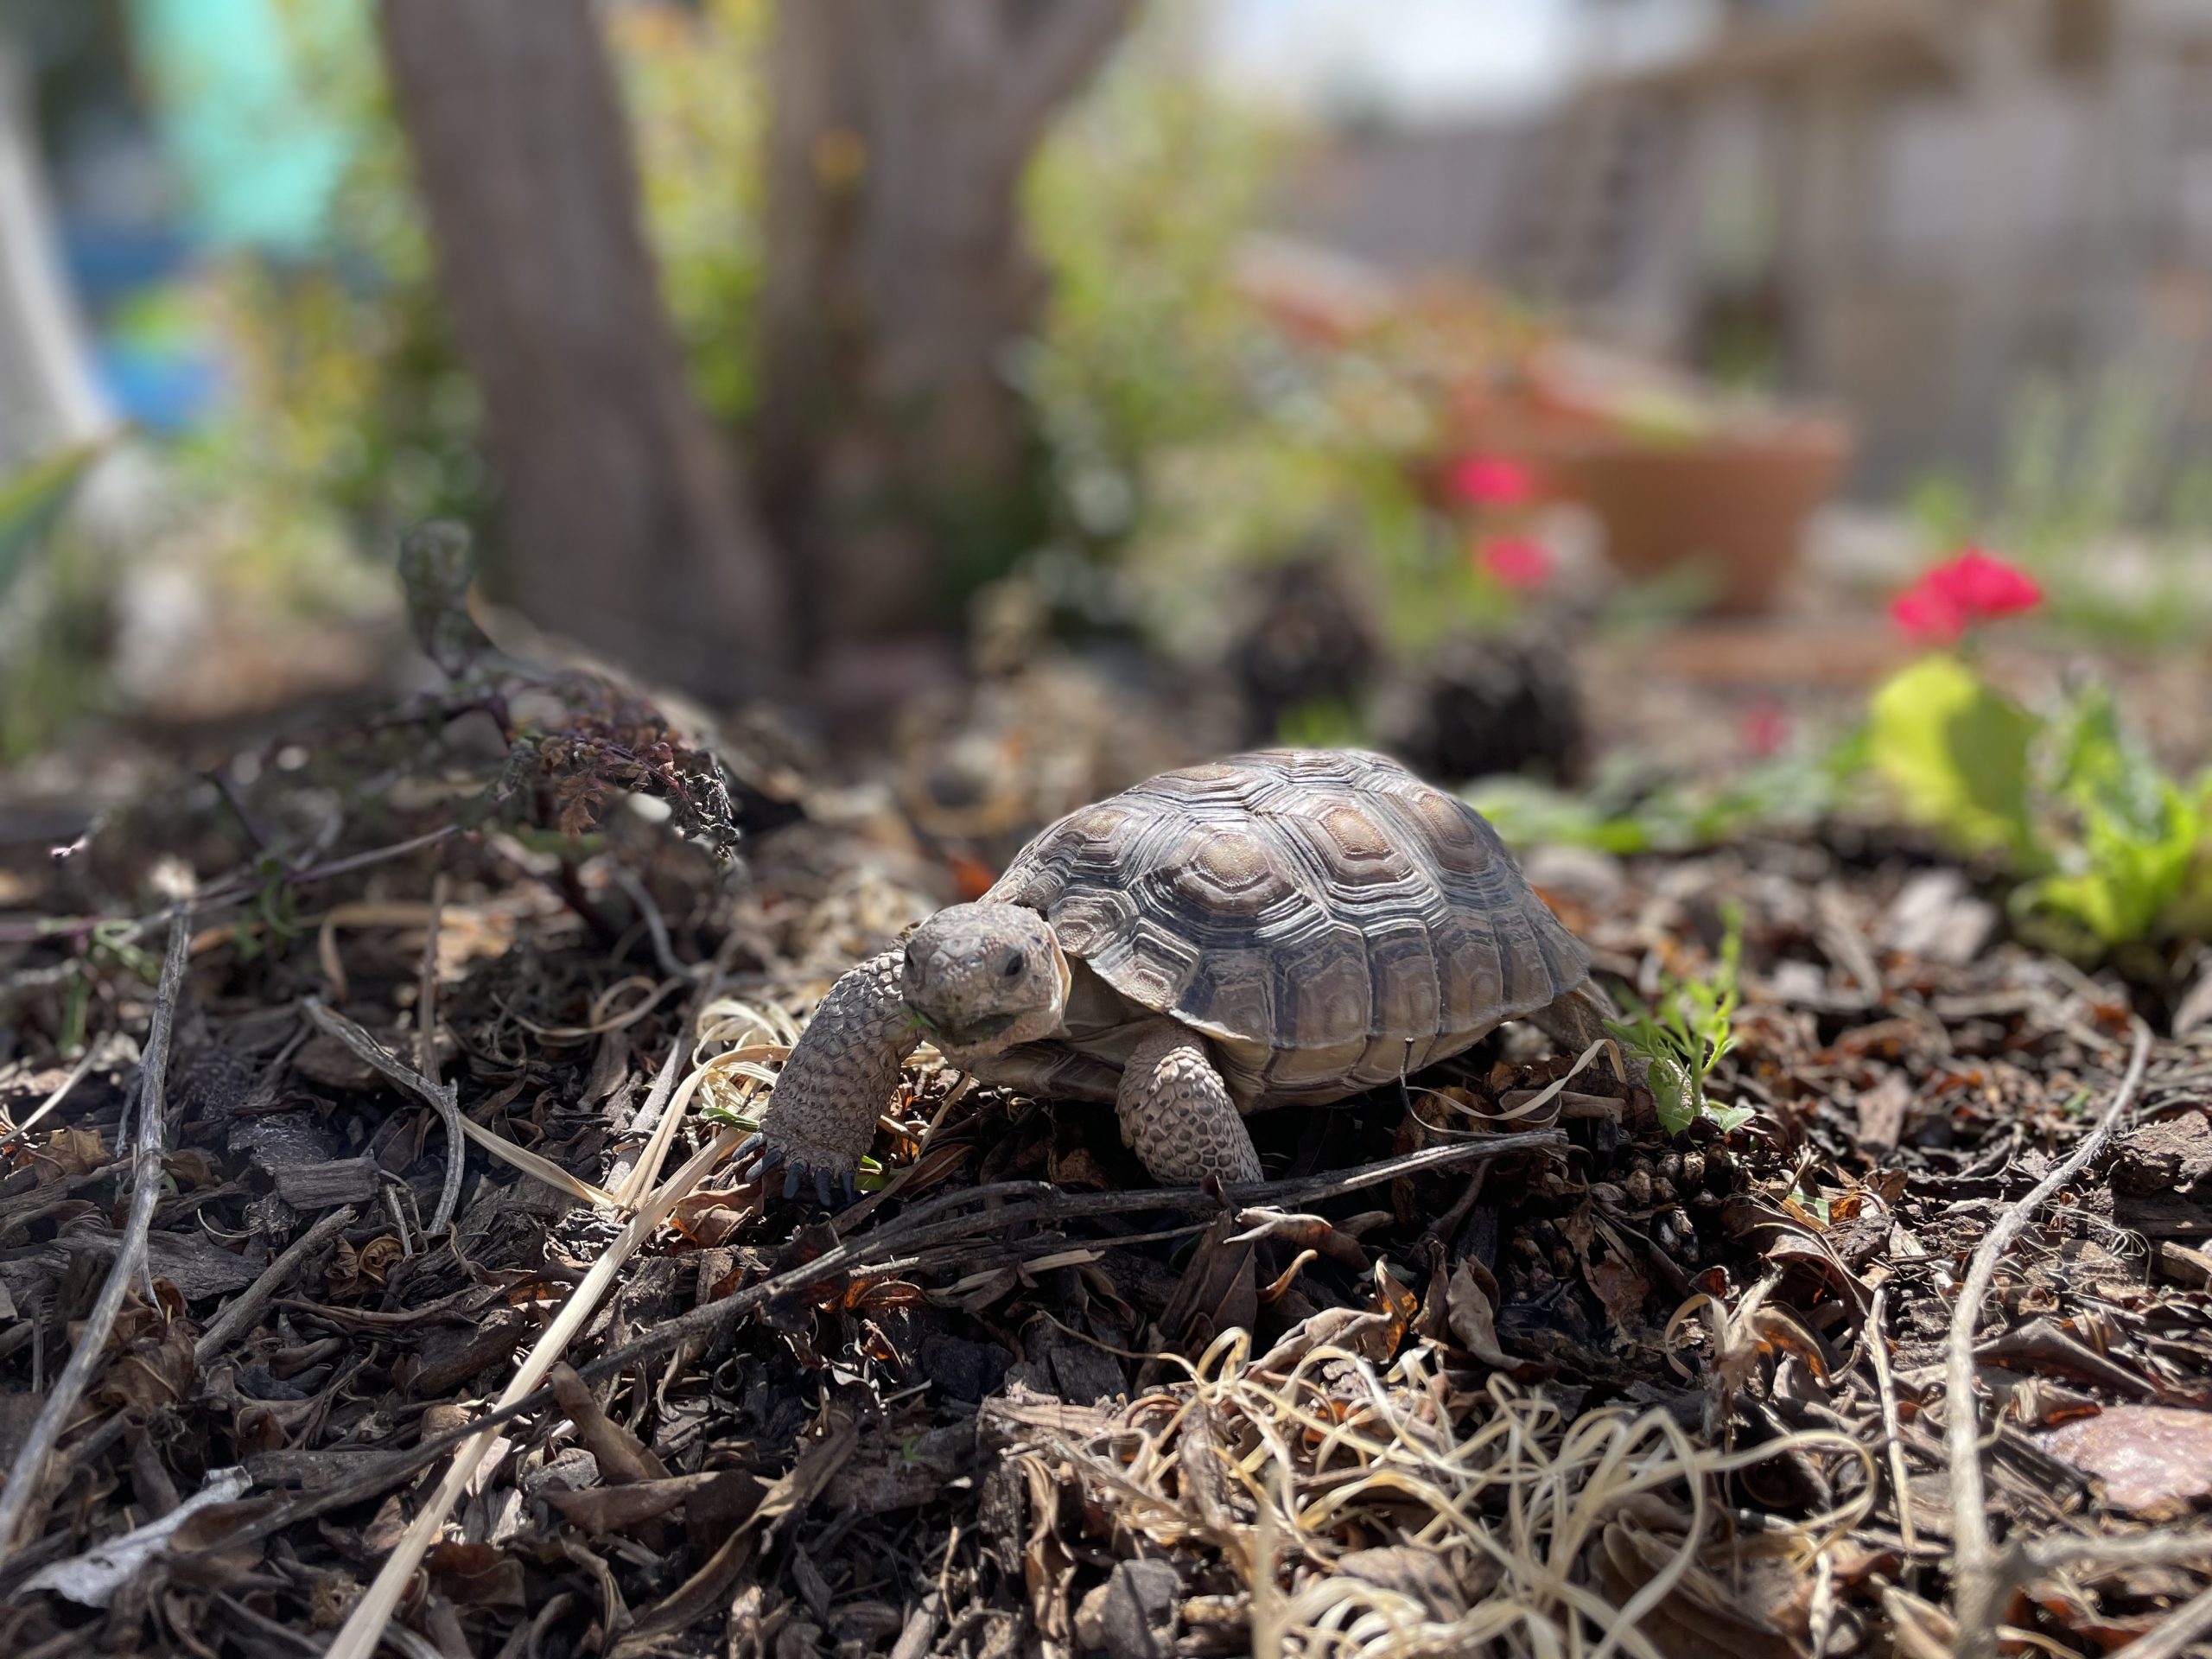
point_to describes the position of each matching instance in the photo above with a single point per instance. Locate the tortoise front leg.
(820, 1116)
(1177, 1114)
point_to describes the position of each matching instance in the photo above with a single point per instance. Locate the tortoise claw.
(798, 1174)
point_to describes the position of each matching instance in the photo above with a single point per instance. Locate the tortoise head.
(980, 978)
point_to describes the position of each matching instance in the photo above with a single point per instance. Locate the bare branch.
(77, 929)
(1059, 50)
(1878, 1348)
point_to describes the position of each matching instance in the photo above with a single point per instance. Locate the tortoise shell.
(1330, 921)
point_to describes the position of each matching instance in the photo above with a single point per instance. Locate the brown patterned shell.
(1329, 920)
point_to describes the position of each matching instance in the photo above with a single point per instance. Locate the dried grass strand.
(1362, 1460)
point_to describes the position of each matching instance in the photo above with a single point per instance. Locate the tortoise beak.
(981, 1031)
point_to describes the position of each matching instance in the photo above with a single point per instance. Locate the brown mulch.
(1490, 1401)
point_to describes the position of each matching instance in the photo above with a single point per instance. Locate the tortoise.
(1282, 927)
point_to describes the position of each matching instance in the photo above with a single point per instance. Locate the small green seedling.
(1684, 1035)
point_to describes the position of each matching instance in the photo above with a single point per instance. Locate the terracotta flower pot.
(1735, 501)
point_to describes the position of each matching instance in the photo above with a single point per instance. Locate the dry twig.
(445, 1098)
(1878, 1349)
(77, 1074)
(923, 1227)
(1980, 1576)
(2183, 1626)
(426, 1058)
(27, 1480)
(365, 1625)
(239, 1316)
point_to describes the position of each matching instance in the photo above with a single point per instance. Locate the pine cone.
(1483, 706)
(1312, 644)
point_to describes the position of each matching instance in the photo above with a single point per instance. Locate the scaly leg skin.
(1578, 1019)
(822, 1113)
(1176, 1112)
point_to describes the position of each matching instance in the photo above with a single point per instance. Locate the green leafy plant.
(1684, 1034)
(2126, 850)
(2108, 850)
(1955, 752)
(1624, 812)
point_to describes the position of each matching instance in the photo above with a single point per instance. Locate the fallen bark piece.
(2153, 1459)
(92, 1579)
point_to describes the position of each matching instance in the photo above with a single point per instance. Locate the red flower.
(1928, 614)
(1986, 587)
(1514, 561)
(1491, 481)
(1960, 592)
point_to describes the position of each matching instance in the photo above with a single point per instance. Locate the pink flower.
(1971, 587)
(1514, 561)
(1765, 726)
(1491, 481)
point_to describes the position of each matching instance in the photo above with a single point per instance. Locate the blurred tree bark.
(891, 445)
(623, 521)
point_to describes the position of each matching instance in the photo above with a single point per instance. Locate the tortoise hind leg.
(1577, 1019)
(1177, 1114)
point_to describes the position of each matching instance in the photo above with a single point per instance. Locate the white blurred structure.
(50, 397)
(1914, 203)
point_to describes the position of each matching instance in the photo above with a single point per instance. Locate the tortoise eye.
(1014, 964)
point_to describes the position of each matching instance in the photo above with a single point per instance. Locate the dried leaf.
(1473, 1318)
(71, 1151)
(623, 1459)
(619, 1508)
(476, 1575)
(1700, 1617)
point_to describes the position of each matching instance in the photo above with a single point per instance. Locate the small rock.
(966, 1370)
(1936, 917)
(1139, 1611)
(572, 1469)
(2172, 1155)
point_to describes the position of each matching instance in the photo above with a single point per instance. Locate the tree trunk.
(891, 444)
(623, 523)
